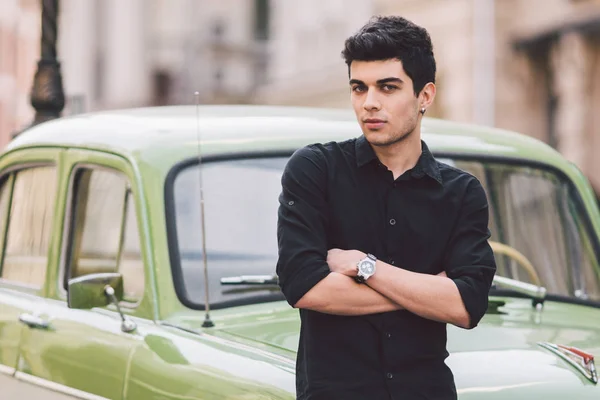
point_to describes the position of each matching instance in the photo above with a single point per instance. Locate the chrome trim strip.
(4, 370)
(56, 387)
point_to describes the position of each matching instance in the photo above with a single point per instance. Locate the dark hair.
(392, 37)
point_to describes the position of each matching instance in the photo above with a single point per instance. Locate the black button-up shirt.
(433, 218)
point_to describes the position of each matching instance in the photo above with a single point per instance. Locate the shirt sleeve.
(470, 261)
(302, 223)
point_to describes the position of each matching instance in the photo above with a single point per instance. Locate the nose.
(371, 101)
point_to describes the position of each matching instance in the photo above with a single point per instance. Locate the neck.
(402, 156)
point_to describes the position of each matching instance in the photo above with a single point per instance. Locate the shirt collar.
(426, 165)
(364, 152)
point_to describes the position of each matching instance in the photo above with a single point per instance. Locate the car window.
(533, 210)
(104, 234)
(241, 200)
(29, 225)
(536, 212)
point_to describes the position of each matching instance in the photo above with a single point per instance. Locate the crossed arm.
(341, 295)
(431, 296)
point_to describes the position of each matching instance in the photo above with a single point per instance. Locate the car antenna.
(207, 321)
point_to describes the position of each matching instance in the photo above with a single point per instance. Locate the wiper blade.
(250, 280)
(538, 293)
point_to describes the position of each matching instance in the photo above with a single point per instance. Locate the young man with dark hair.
(381, 245)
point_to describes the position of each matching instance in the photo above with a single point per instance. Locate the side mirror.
(98, 290)
(89, 291)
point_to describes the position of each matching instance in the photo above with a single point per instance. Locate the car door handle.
(34, 321)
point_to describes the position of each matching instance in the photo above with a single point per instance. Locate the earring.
(423, 110)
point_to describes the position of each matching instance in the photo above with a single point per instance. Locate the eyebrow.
(379, 82)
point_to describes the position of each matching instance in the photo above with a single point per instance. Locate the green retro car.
(104, 284)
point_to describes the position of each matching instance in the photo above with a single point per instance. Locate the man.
(380, 245)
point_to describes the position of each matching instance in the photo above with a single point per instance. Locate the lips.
(373, 123)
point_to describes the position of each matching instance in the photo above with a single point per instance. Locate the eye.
(358, 89)
(388, 88)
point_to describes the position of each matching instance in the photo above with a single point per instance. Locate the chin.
(382, 139)
(375, 136)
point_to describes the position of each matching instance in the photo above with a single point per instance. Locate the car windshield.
(533, 211)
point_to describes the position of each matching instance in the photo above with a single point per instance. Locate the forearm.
(340, 295)
(430, 296)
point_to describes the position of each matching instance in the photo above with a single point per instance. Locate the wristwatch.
(366, 268)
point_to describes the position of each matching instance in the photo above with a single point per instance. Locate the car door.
(28, 191)
(86, 353)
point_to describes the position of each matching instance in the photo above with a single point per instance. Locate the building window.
(261, 19)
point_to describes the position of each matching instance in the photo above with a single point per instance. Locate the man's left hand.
(344, 261)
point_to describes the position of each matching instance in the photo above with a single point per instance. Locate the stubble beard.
(399, 136)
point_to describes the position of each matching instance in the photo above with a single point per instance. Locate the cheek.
(357, 106)
(404, 106)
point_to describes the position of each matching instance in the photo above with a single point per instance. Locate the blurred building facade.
(19, 52)
(526, 65)
(133, 53)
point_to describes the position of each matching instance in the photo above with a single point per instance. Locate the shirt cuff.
(473, 297)
(300, 285)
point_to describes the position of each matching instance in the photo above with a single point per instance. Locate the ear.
(426, 96)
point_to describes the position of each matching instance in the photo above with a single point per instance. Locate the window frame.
(8, 174)
(575, 194)
(68, 223)
(9, 180)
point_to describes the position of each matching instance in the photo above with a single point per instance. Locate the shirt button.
(291, 202)
(392, 261)
(392, 221)
(388, 335)
(389, 375)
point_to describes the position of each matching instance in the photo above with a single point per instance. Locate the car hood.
(501, 358)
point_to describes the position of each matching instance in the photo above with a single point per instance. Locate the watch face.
(367, 268)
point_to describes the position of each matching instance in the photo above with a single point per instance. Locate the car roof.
(171, 133)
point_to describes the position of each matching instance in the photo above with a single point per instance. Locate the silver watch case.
(366, 267)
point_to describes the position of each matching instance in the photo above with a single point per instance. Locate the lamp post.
(47, 95)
